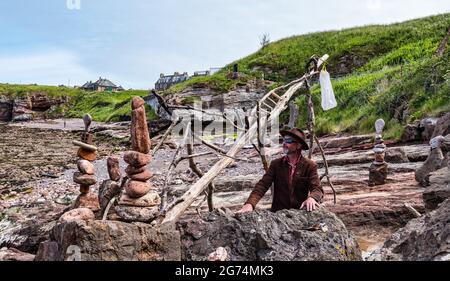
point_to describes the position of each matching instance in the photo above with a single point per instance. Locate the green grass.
(103, 106)
(106, 106)
(12, 90)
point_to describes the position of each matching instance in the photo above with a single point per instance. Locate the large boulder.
(422, 239)
(288, 235)
(439, 189)
(442, 127)
(96, 240)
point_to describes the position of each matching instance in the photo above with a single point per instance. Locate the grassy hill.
(379, 71)
(103, 106)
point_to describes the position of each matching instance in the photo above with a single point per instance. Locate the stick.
(199, 173)
(413, 211)
(311, 119)
(260, 145)
(325, 162)
(172, 166)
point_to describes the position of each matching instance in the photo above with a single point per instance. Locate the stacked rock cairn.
(378, 171)
(140, 200)
(85, 176)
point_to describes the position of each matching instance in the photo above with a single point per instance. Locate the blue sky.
(132, 42)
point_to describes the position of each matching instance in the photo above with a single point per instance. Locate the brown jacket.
(305, 183)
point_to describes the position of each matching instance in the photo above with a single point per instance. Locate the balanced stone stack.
(85, 176)
(378, 171)
(140, 202)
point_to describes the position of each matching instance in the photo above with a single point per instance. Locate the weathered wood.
(311, 118)
(197, 188)
(172, 166)
(413, 211)
(260, 149)
(327, 173)
(199, 173)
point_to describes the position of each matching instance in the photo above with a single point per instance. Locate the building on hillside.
(166, 81)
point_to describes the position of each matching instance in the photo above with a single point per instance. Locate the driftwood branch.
(199, 173)
(325, 162)
(172, 166)
(413, 211)
(260, 149)
(311, 118)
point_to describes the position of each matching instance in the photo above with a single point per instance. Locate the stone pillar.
(379, 169)
(85, 176)
(140, 202)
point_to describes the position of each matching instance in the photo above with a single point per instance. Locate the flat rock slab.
(137, 214)
(150, 200)
(288, 235)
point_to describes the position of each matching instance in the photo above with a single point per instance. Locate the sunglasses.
(289, 141)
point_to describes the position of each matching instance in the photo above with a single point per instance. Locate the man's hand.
(310, 204)
(247, 208)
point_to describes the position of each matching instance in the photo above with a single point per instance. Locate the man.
(296, 181)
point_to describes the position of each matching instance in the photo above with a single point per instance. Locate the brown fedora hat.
(298, 135)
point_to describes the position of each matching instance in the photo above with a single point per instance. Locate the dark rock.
(108, 189)
(14, 255)
(114, 241)
(410, 133)
(6, 106)
(442, 126)
(396, 155)
(431, 164)
(439, 189)
(428, 126)
(48, 251)
(378, 174)
(422, 239)
(288, 235)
